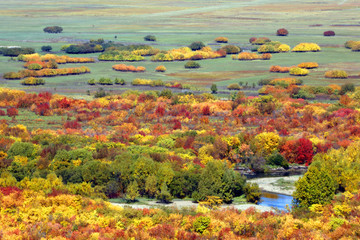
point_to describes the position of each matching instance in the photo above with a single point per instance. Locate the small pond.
(275, 200)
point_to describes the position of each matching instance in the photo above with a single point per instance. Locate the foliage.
(164, 195)
(306, 47)
(151, 38)
(308, 65)
(252, 192)
(234, 86)
(336, 74)
(192, 64)
(329, 33)
(213, 88)
(297, 71)
(46, 48)
(282, 32)
(14, 52)
(33, 81)
(231, 49)
(160, 68)
(53, 29)
(221, 39)
(196, 46)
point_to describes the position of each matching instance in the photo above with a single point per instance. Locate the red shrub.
(329, 33)
(162, 231)
(305, 151)
(206, 110)
(2, 113)
(177, 124)
(72, 124)
(8, 190)
(12, 112)
(160, 111)
(282, 32)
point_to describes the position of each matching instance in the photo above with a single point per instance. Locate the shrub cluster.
(106, 81)
(297, 71)
(353, 45)
(150, 38)
(52, 57)
(186, 53)
(234, 86)
(231, 49)
(329, 33)
(53, 29)
(192, 64)
(84, 48)
(259, 41)
(120, 56)
(147, 82)
(160, 68)
(128, 68)
(285, 81)
(279, 69)
(308, 65)
(46, 48)
(221, 39)
(196, 46)
(282, 32)
(306, 47)
(247, 56)
(14, 52)
(336, 74)
(33, 81)
(46, 72)
(273, 47)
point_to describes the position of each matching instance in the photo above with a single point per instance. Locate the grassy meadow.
(177, 24)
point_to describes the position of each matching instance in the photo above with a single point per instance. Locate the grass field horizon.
(177, 24)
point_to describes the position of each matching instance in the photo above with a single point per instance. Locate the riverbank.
(282, 185)
(190, 204)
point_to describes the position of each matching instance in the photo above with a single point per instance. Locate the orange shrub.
(308, 65)
(247, 56)
(221, 39)
(279, 69)
(160, 68)
(128, 68)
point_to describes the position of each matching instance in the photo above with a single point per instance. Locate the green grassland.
(177, 24)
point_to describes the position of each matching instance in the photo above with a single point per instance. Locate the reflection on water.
(278, 201)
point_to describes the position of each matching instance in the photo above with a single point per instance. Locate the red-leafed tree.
(12, 112)
(305, 151)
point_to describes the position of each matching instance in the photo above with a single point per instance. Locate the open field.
(177, 24)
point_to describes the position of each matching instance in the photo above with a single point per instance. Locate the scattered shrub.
(353, 45)
(347, 87)
(231, 49)
(105, 81)
(33, 81)
(234, 86)
(221, 39)
(296, 71)
(247, 56)
(196, 46)
(308, 65)
(336, 74)
(279, 69)
(46, 48)
(282, 32)
(329, 33)
(306, 47)
(192, 64)
(53, 29)
(150, 38)
(160, 68)
(148, 82)
(120, 81)
(259, 41)
(91, 82)
(128, 68)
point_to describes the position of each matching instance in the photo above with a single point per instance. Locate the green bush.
(120, 81)
(196, 46)
(231, 49)
(164, 196)
(347, 87)
(234, 86)
(151, 38)
(315, 187)
(105, 81)
(24, 149)
(192, 64)
(91, 82)
(252, 192)
(46, 48)
(278, 160)
(201, 224)
(53, 29)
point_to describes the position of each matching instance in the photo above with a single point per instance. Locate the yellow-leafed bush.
(296, 71)
(221, 39)
(308, 65)
(336, 74)
(306, 47)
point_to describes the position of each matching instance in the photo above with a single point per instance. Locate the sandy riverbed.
(270, 185)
